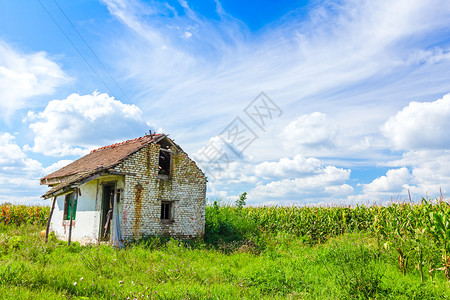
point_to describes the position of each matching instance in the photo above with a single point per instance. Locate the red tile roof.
(103, 158)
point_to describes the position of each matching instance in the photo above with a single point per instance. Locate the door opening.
(107, 211)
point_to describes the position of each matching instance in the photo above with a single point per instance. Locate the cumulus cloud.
(23, 76)
(420, 125)
(221, 159)
(343, 189)
(429, 170)
(214, 193)
(420, 128)
(419, 173)
(10, 151)
(288, 179)
(396, 185)
(12, 157)
(312, 180)
(74, 125)
(287, 167)
(19, 174)
(395, 181)
(309, 130)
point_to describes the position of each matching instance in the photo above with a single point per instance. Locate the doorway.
(107, 211)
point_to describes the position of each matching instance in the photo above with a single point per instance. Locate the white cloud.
(429, 169)
(327, 181)
(55, 166)
(423, 173)
(74, 125)
(12, 157)
(10, 151)
(420, 125)
(421, 129)
(343, 189)
(398, 185)
(433, 56)
(221, 160)
(302, 177)
(343, 59)
(354, 61)
(311, 130)
(287, 167)
(23, 76)
(215, 194)
(19, 175)
(396, 181)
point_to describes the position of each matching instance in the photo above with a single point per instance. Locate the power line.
(90, 49)
(79, 52)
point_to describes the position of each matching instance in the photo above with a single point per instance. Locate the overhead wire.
(79, 52)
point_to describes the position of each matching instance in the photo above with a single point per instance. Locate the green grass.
(348, 266)
(247, 253)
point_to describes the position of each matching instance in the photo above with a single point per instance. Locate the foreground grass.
(275, 266)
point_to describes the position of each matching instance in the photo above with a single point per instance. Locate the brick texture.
(143, 192)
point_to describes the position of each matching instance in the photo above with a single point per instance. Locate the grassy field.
(248, 253)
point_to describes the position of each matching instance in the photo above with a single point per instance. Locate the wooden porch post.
(49, 220)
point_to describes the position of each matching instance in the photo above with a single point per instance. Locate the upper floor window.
(165, 157)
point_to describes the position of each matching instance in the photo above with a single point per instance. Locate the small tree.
(241, 201)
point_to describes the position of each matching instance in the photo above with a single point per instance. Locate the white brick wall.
(141, 209)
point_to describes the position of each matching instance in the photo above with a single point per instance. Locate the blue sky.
(361, 90)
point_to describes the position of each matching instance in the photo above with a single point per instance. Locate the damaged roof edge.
(93, 174)
(80, 177)
(76, 182)
(107, 156)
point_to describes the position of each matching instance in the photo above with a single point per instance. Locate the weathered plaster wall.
(86, 225)
(85, 219)
(145, 191)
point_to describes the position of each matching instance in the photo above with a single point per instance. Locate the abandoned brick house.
(145, 186)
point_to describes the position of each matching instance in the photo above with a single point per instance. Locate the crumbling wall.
(144, 191)
(85, 224)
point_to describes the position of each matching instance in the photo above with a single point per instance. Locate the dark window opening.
(68, 206)
(164, 162)
(166, 211)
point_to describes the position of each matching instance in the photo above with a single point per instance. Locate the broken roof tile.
(103, 157)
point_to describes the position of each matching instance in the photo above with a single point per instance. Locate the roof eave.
(81, 181)
(54, 180)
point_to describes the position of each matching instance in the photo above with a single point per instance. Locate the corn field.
(419, 233)
(22, 214)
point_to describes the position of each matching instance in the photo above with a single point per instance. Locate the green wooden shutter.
(69, 207)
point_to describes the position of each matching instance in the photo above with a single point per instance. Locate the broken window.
(164, 162)
(166, 211)
(68, 206)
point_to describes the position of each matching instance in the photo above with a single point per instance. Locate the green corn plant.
(419, 237)
(404, 248)
(377, 230)
(439, 228)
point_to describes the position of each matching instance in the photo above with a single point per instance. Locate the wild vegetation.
(399, 251)
(22, 214)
